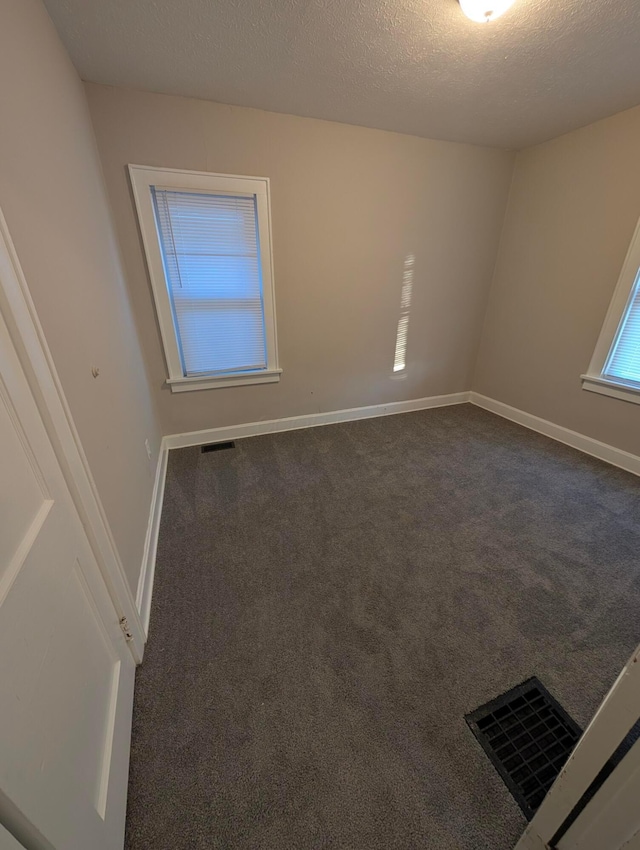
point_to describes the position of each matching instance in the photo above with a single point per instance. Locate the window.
(208, 245)
(615, 366)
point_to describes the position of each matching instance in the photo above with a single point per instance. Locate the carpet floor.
(329, 603)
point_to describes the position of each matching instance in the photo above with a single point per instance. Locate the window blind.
(624, 359)
(211, 254)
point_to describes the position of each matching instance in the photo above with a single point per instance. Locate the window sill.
(212, 382)
(614, 389)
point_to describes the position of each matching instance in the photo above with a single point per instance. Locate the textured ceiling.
(415, 66)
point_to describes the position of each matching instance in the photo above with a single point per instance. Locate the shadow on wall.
(402, 334)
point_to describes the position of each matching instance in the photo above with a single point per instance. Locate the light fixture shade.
(484, 10)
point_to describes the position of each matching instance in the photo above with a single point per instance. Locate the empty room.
(320, 425)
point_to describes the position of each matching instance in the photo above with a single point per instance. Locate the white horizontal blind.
(624, 359)
(211, 254)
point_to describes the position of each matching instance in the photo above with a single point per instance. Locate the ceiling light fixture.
(484, 10)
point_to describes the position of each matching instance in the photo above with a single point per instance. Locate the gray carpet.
(328, 605)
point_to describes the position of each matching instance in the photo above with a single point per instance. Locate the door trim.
(35, 357)
(147, 573)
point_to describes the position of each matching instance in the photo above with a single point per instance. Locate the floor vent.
(528, 736)
(217, 447)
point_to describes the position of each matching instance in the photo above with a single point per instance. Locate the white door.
(611, 818)
(66, 672)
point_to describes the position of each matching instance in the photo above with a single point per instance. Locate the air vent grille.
(528, 736)
(217, 447)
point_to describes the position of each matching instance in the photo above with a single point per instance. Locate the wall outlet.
(148, 448)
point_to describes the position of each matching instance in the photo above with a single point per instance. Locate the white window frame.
(595, 380)
(143, 178)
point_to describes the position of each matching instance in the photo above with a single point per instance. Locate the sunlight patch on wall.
(402, 335)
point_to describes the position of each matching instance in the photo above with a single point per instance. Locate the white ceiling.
(414, 66)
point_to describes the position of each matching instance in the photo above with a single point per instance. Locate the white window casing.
(615, 366)
(207, 241)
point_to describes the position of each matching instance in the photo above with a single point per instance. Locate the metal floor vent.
(528, 736)
(217, 447)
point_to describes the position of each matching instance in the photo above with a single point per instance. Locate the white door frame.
(610, 725)
(36, 360)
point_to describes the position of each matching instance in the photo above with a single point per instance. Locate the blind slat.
(210, 249)
(624, 359)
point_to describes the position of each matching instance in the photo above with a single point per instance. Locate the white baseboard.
(147, 572)
(616, 457)
(293, 423)
(250, 429)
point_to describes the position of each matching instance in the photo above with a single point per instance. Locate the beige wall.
(349, 204)
(53, 198)
(572, 211)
